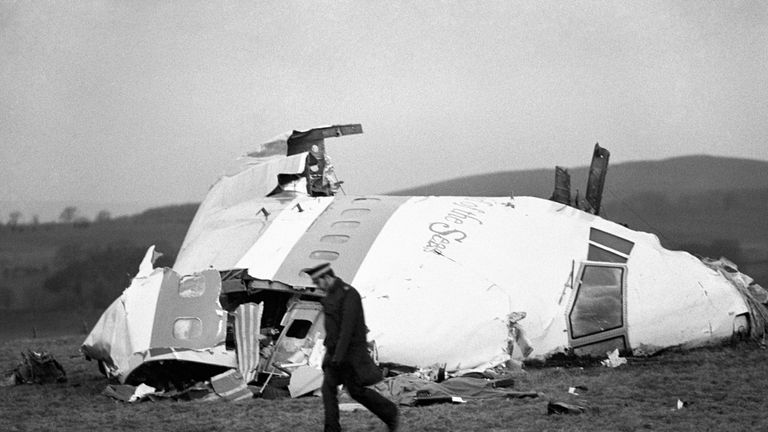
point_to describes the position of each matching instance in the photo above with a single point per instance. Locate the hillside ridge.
(674, 176)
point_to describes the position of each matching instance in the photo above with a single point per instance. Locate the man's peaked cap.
(319, 271)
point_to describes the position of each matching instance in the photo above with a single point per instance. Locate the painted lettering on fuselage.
(453, 227)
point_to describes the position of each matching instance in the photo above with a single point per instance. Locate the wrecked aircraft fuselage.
(468, 282)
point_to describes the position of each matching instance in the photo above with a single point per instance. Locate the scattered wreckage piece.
(35, 367)
(469, 283)
(410, 390)
(613, 360)
(228, 386)
(558, 407)
(163, 317)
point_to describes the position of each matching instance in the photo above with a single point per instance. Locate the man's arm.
(351, 310)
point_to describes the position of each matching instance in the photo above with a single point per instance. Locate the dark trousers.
(382, 407)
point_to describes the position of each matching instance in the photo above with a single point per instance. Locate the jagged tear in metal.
(562, 192)
(468, 283)
(597, 171)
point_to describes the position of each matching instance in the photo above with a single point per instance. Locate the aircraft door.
(304, 327)
(597, 313)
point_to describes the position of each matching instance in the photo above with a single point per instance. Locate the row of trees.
(68, 216)
(94, 277)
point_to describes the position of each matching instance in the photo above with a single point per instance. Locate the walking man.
(347, 360)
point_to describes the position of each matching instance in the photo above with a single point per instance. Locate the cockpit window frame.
(603, 243)
(615, 332)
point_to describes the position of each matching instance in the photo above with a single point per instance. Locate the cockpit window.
(596, 253)
(299, 329)
(599, 301)
(324, 255)
(607, 247)
(187, 328)
(192, 286)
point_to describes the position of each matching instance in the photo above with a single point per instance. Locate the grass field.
(725, 389)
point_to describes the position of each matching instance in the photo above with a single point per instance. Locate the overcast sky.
(148, 101)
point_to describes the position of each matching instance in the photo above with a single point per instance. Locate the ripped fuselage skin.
(461, 281)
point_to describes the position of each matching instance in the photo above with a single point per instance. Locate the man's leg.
(330, 390)
(382, 407)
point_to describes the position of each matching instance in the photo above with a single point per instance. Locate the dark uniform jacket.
(345, 330)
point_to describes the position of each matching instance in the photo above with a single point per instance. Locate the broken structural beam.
(302, 141)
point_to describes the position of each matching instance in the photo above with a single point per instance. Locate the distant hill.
(673, 177)
(87, 264)
(179, 213)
